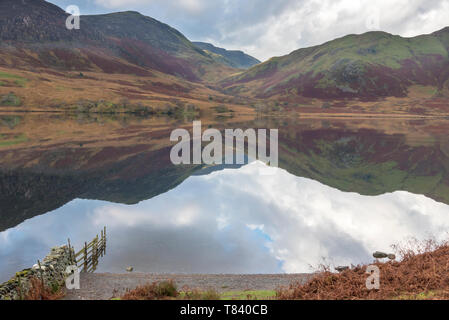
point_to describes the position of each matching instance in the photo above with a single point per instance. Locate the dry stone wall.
(52, 271)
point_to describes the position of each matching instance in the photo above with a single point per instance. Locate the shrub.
(222, 109)
(40, 291)
(326, 105)
(201, 295)
(421, 272)
(10, 99)
(153, 291)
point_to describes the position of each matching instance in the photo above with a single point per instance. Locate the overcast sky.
(267, 28)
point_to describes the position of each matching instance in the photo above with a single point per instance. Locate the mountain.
(127, 58)
(33, 33)
(366, 66)
(231, 58)
(36, 21)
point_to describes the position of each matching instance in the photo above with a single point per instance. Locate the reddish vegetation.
(168, 89)
(142, 54)
(109, 65)
(422, 273)
(376, 81)
(167, 290)
(153, 291)
(38, 291)
(386, 82)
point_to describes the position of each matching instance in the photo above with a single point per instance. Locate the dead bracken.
(421, 274)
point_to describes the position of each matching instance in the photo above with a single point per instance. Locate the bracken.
(422, 273)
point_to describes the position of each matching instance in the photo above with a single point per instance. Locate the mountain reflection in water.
(345, 188)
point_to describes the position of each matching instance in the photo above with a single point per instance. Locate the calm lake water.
(343, 189)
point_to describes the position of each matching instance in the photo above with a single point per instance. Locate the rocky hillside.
(232, 58)
(33, 34)
(367, 66)
(37, 21)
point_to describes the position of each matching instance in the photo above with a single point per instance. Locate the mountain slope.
(367, 66)
(33, 33)
(231, 58)
(37, 21)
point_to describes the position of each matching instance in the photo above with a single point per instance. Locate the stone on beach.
(342, 268)
(380, 255)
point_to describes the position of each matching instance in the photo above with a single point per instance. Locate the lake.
(344, 189)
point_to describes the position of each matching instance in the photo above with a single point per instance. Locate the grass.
(10, 121)
(200, 295)
(222, 109)
(18, 80)
(167, 290)
(17, 139)
(249, 295)
(428, 295)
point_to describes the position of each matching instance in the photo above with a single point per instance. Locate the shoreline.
(104, 286)
(303, 115)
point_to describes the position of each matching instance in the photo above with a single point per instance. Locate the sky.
(233, 221)
(267, 28)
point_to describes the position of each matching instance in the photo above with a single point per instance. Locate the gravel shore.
(104, 286)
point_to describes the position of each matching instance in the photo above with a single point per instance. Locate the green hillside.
(231, 58)
(369, 65)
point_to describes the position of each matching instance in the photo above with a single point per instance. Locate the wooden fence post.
(105, 240)
(95, 253)
(89, 260)
(70, 251)
(101, 243)
(85, 257)
(41, 274)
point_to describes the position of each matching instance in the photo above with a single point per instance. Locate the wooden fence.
(87, 258)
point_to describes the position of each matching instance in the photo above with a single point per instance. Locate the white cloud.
(134, 216)
(192, 6)
(120, 3)
(309, 23)
(265, 28)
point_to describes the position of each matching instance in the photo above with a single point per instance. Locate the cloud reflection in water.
(232, 221)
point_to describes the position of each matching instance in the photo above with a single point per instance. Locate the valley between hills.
(128, 63)
(86, 117)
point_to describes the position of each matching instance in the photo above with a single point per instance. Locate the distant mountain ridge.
(232, 58)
